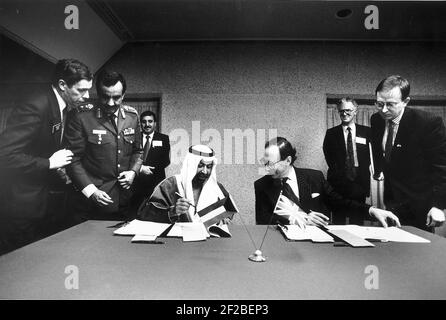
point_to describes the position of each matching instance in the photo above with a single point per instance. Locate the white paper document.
(143, 238)
(219, 231)
(139, 227)
(189, 231)
(313, 233)
(393, 234)
(194, 232)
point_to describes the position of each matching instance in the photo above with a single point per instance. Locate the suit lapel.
(273, 190)
(122, 121)
(403, 129)
(304, 190)
(341, 143)
(56, 120)
(381, 127)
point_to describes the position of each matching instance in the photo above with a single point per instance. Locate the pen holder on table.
(257, 256)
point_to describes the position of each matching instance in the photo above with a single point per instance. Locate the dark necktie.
(64, 120)
(389, 141)
(350, 159)
(288, 192)
(146, 148)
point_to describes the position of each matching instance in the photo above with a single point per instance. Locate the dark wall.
(22, 71)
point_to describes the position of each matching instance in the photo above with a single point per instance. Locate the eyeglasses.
(381, 104)
(267, 163)
(346, 111)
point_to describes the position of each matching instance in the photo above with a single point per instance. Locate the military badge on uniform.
(99, 133)
(128, 131)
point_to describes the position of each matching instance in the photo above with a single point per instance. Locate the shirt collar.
(61, 102)
(291, 174)
(351, 125)
(150, 135)
(398, 119)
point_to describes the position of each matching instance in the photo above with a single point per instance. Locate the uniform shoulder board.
(85, 107)
(130, 109)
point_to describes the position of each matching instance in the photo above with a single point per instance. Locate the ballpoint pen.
(185, 199)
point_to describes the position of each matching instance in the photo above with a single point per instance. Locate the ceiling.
(196, 20)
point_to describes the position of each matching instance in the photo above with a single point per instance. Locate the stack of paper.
(313, 233)
(393, 234)
(143, 238)
(188, 231)
(138, 227)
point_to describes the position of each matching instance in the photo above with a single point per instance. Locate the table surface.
(111, 267)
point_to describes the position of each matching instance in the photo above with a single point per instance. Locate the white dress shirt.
(292, 181)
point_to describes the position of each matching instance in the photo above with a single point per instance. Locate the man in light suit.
(156, 157)
(347, 154)
(32, 157)
(307, 189)
(409, 152)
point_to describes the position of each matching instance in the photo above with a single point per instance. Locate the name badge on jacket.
(56, 127)
(361, 140)
(157, 143)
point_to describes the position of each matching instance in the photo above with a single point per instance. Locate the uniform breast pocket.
(129, 138)
(97, 147)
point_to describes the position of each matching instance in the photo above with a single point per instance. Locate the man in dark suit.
(156, 157)
(106, 143)
(32, 157)
(310, 194)
(346, 150)
(409, 152)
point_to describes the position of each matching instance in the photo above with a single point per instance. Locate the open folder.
(139, 227)
(393, 234)
(296, 233)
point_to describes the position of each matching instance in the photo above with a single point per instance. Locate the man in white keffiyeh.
(191, 196)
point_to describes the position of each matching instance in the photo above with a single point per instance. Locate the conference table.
(88, 262)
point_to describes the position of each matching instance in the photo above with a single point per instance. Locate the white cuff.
(89, 190)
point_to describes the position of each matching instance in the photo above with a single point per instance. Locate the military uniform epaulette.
(129, 109)
(85, 107)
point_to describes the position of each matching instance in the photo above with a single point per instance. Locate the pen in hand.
(185, 199)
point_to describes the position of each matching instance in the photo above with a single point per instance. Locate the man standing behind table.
(155, 158)
(409, 152)
(32, 157)
(106, 143)
(346, 150)
(290, 195)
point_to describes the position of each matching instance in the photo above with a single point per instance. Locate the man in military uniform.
(106, 143)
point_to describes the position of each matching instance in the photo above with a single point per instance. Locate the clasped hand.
(126, 178)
